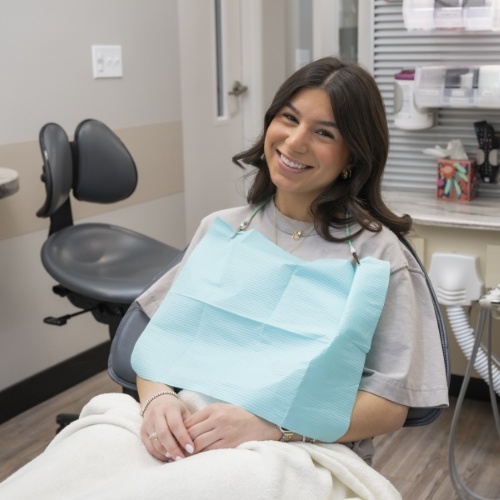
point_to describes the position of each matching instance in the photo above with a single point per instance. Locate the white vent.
(395, 48)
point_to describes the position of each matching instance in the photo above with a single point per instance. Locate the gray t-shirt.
(405, 362)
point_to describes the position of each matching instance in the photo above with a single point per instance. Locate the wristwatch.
(286, 435)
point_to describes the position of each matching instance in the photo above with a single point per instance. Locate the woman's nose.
(297, 140)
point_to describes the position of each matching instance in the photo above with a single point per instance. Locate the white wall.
(45, 54)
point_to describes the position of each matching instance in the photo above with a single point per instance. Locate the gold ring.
(153, 437)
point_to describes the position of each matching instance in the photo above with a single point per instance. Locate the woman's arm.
(164, 417)
(226, 426)
(372, 416)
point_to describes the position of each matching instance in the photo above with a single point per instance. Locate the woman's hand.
(222, 425)
(163, 429)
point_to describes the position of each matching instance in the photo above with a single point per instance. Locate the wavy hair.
(360, 117)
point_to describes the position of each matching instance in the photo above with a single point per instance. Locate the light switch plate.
(107, 61)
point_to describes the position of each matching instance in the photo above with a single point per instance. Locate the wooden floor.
(415, 460)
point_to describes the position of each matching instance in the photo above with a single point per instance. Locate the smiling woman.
(353, 130)
(293, 349)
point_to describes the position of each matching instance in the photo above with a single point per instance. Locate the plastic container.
(477, 15)
(457, 86)
(407, 115)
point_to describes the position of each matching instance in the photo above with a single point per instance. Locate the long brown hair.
(360, 117)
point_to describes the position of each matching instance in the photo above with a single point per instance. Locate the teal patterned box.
(456, 180)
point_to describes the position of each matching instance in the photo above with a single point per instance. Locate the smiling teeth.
(292, 164)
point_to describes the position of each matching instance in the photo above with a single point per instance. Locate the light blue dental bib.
(252, 325)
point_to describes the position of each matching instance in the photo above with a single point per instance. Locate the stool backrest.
(95, 167)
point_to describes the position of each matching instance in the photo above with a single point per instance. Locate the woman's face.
(304, 149)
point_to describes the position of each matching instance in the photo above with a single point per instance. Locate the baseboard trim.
(52, 381)
(477, 388)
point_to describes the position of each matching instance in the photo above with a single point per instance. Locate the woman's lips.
(290, 164)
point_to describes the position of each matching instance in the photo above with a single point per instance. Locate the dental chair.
(100, 268)
(135, 321)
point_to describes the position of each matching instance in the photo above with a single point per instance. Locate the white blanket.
(101, 456)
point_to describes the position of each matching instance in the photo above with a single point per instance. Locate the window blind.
(395, 48)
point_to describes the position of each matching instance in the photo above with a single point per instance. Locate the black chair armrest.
(129, 330)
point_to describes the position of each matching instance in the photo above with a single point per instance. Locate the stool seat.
(89, 259)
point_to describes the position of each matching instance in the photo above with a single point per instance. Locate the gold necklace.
(297, 233)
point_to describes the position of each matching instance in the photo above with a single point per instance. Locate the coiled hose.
(464, 335)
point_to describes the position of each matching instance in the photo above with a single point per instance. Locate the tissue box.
(456, 180)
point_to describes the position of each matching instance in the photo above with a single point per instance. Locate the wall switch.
(107, 61)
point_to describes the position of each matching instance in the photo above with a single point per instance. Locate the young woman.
(298, 326)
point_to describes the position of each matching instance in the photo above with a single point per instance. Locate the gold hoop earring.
(346, 174)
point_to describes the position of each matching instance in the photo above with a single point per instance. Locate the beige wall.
(156, 151)
(45, 56)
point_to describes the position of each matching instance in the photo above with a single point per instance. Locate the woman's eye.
(290, 117)
(325, 133)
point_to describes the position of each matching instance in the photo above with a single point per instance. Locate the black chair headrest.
(104, 170)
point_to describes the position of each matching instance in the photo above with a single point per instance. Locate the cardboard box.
(456, 180)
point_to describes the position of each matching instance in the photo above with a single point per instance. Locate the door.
(221, 44)
(212, 128)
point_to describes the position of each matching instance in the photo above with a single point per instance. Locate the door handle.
(238, 89)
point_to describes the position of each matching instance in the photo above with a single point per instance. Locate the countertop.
(425, 209)
(9, 182)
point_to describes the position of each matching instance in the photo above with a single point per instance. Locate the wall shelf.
(425, 209)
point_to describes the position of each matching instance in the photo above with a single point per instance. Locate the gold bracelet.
(154, 396)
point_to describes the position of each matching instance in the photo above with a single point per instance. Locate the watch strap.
(286, 435)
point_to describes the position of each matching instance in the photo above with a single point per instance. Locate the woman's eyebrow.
(319, 122)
